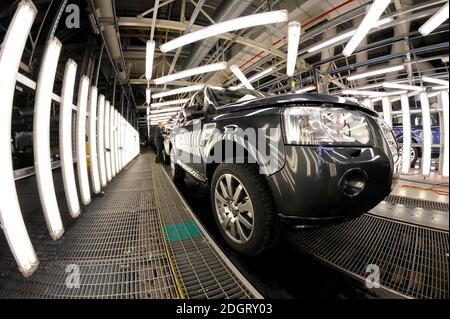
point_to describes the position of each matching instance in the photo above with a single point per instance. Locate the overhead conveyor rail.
(137, 241)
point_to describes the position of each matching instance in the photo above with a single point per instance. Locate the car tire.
(414, 154)
(178, 174)
(263, 234)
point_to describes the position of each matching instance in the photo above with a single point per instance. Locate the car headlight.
(325, 125)
(390, 139)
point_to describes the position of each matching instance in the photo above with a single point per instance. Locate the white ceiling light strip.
(10, 213)
(182, 90)
(369, 21)
(152, 116)
(95, 177)
(83, 178)
(149, 57)
(116, 140)
(41, 138)
(390, 85)
(238, 73)
(112, 144)
(107, 141)
(226, 26)
(428, 79)
(168, 103)
(376, 72)
(427, 137)
(343, 36)
(169, 109)
(443, 100)
(436, 20)
(294, 28)
(191, 72)
(65, 139)
(306, 89)
(406, 158)
(101, 139)
(148, 96)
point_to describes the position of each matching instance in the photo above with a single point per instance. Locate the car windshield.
(225, 96)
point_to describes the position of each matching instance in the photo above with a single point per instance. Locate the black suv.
(304, 159)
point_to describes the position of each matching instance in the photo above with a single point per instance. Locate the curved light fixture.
(112, 144)
(148, 96)
(149, 56)
(406, 160)
(294, 28)
(181, 90)
(191, 72)
(436, 20)
(369, 21)
(116, 140)
(95, 177)
(101, 139)
(41, 138)
(83, 178)
(65, 139)
(226, 26)
(10, 214)
(427, 137)
(108, 141)
(238, 73)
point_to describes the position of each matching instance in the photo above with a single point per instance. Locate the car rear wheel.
(413, 155)
(243, 208)
(178, 174)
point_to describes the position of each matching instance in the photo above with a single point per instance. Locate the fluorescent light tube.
(65, 139)
(445, 115)
(391, 85)
(179, 91)
(376, 72)
(83, 178)
(108, 141)
(226, 26)
(361, 92)
(439, 88)
(406, 161)
(427, 137)
(238, 73)
(101, 139)
(95, 177)
(167, 103)
(168, 109)
(162, 114)
(343, 36)
(41, 138)
(436, 20)
(112, 134)
(148, 95)
(11, 219)
(387, 110)
(116, 140)
(428, 79)
(191, 72)
(373, 14)
(306, 89)
(261, 74)
(294, 29)
(149, 56)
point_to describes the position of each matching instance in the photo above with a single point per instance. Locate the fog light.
(353, 182)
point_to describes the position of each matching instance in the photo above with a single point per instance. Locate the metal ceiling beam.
(132, 22)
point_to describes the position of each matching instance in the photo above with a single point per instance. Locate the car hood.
(287, 99)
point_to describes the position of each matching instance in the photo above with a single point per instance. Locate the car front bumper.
(312, 187)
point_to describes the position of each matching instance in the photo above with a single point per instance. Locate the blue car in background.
(417, 134)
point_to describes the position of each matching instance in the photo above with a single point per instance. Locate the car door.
(189, 137)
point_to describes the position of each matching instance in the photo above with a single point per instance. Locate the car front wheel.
(243, 208)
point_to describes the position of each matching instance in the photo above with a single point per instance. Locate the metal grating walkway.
(413, 260)
(204, 271)
(414, 202)
(117, 245)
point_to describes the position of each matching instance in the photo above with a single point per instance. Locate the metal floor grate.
(116, 244)
(414, 202)
(413, 260)
(204, 271)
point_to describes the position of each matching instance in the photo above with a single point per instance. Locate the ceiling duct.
(227, 10)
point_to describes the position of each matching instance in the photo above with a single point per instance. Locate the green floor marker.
(181, 231)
